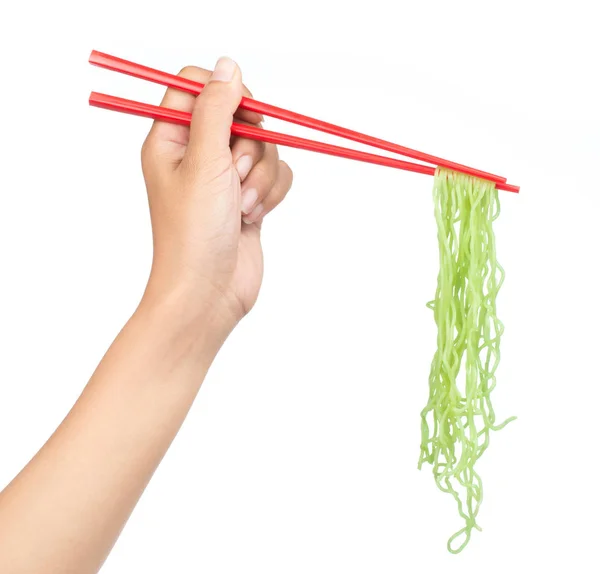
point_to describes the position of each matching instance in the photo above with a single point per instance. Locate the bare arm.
(66, 508)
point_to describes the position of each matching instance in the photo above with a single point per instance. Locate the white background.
(300, 453)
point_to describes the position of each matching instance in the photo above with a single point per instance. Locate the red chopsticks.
(250, 132)
(177, 116)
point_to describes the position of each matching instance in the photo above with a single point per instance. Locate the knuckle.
(147, 152)
(276, 196)
(287, 172)
(265, 174)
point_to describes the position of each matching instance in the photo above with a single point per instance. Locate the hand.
(208, 194)
(206, 273)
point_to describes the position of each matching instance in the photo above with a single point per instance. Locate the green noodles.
(458, 418)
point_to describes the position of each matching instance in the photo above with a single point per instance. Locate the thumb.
(210, 130)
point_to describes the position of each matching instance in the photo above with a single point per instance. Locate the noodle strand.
(458, 417)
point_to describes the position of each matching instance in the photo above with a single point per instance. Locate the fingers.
(259, 182)
(267, 192)
(179, 100)
(165, 144)
(212, 116)
(278, 192)
(246, 154)
(265, 179)
(168, 141)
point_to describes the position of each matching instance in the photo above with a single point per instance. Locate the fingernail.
(243, 166)
(254, 215)
(249, 198)
(224, 70)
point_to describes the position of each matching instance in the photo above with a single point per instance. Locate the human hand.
(201, 183)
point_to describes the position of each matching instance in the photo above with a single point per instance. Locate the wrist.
(196, 316)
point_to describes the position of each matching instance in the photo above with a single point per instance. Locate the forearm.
(64, 511)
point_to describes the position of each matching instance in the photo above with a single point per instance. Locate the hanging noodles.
(458, 418)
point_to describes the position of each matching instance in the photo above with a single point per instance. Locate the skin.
(208, 195)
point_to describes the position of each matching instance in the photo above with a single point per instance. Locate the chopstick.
(145, 73)
(184, 118)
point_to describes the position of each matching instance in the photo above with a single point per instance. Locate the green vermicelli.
(458, 418)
